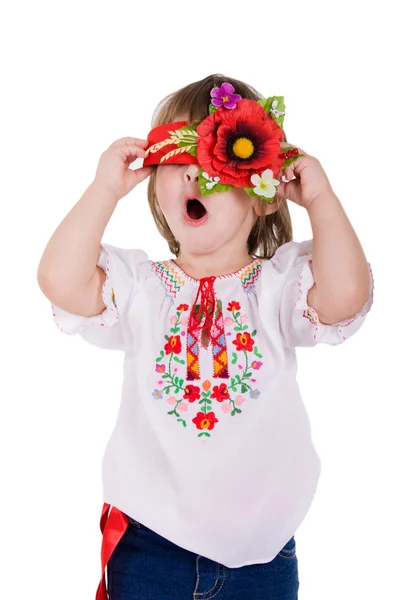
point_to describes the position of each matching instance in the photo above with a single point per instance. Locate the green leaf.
(162, 353)
(218, 187)
(174, 329)
(233, 413)
(289, 161)
(158, 359)
(167, 390)
(237, 328)
(165, 376)
(238, 378)
(181, 382)
(238, 410)
(247, 375)
(211, 108)
(166, 337)
(245, 327)
(176, 390)
(253, 333)
(266, 103)
(204, 433)
(244, 388)
(234, 388)
(171, 412)
(235, 357)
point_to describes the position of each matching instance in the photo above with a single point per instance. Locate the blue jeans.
(146, 566)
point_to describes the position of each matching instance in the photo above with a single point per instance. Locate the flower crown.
(237, 145)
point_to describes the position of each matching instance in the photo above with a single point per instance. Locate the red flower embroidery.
(235, 144)
(220, 392)
(233, 306)
(205, 420)
(173, 345)
(244, 341)
(183, 307)
(192, 393)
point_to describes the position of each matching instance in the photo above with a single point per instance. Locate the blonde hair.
(269, 231)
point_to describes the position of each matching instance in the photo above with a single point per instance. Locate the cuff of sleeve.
(335, 333)
(71, 324)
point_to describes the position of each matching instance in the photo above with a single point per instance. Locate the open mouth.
(195, 209)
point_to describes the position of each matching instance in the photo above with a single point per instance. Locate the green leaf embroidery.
(235, 357)
(166, 337)
(245, 327)
(211, 108)
(244, 388)
(253, 333)
(158, 359)
(238, 378)
(233, 413)
(204, 433)
(162, 353)
(181, 382)
(167, 390)
(237, 328)
(176, 390)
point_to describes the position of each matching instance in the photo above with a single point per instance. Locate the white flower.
(211, 180)
(265, 185)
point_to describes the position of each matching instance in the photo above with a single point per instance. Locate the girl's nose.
(192, 173)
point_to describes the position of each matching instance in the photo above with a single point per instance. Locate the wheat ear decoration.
(174, 152)
(158, 146)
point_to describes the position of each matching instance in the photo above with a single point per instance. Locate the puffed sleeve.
(109, 329)
(300, 324)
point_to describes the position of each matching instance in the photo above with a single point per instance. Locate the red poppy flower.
(220, 392)
(192, 393)
(205, 420)
(235, 144)
(233, 306)
(173, 345)
(183, 307)
(244, 341)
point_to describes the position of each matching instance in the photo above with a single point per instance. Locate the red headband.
(158, 135)
(237, 145)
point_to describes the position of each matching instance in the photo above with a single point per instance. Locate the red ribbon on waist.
(113, 525)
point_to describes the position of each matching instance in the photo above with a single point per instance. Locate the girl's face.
(221, 219)
(219, 223)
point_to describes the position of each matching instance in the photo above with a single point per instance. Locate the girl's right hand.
(113, 167)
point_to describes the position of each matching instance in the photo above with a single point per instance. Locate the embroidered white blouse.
(212, 446)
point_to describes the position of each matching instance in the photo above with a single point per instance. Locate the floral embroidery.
(203, 395)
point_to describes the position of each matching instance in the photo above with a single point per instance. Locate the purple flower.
(225, 96)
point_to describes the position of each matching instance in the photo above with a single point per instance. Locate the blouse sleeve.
(108, 329)
(300, 324)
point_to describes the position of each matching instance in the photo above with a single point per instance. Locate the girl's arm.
(68, 274)
(341, 271)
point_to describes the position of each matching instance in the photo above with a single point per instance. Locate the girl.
(210, 468)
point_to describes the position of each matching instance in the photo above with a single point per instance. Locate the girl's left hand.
(311, 180)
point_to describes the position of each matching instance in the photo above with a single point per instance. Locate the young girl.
(211, 468)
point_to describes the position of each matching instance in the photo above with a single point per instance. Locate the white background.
(78, 75)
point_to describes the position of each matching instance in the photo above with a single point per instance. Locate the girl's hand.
(311, 180)
(113, 167)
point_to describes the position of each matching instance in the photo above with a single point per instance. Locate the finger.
(132, 152)
(125, 141)
(139, 175)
